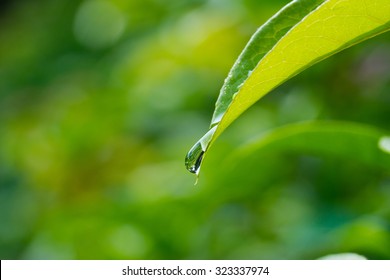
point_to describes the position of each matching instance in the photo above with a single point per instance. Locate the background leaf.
(356, 142)
(310, 184)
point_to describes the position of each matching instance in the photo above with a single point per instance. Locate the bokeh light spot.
(129, 242)
(384, 144)
(98, 24)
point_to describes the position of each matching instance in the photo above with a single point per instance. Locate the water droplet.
(194, 158)
(384, 144)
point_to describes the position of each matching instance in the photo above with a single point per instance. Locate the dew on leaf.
(194, 157)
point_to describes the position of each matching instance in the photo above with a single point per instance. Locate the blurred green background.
(101, 100)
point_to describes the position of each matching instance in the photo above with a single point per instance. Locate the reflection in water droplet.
(195, 155)
(384, 144)
(194, 158)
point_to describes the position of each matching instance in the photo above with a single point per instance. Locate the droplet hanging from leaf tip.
(194, 158)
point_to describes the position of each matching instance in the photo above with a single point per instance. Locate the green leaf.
(300, 35)
(355, 142)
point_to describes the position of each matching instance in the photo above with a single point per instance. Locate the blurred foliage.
(100, 100)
